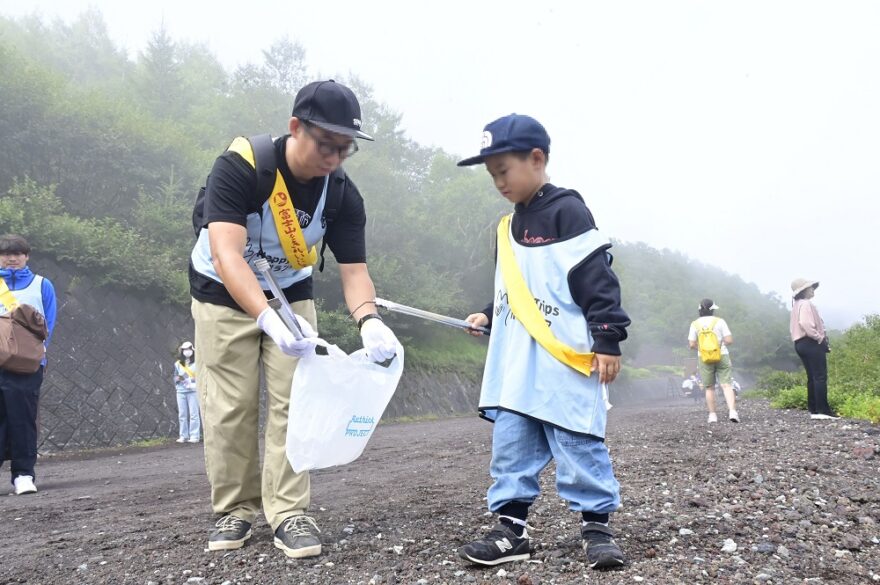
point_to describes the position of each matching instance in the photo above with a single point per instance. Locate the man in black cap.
(274, 200)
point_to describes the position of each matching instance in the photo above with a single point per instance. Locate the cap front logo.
(356, 122)
(487, 139)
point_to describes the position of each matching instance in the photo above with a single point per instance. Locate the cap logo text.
(486, 142)
(356, 122)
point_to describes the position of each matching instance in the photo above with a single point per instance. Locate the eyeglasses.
(329, 148)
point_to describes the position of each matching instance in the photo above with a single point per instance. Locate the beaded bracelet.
(367, 317)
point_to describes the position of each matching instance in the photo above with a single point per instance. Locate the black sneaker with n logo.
(501, 545)
(602, 551)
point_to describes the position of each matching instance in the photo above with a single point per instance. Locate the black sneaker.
(602, 551)
(298, 537)
(231, 533)
(501, 545)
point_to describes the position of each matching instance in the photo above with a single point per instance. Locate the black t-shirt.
(230, 195)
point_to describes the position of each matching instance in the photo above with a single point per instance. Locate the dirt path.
(800, 500)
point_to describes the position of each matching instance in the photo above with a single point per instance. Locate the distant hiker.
(710, 336)
(187, 401)
(547, 368)
(20, 393)
(811, 344)
(300, 196)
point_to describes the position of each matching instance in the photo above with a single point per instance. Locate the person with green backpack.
(710, 336)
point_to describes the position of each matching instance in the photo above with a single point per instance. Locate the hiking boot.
(298, 537)
(713, 417)
(602, 551)
(733, 416)
(24, 484)
(501, 545)
(231, 533)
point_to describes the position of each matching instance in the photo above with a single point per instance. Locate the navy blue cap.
(513, 133)
(331, 106)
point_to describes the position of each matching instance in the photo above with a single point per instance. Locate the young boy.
(541, 388)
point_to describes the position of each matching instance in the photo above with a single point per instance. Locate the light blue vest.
(284, 272)
(521, 376)
(188, 384)
(31, 295)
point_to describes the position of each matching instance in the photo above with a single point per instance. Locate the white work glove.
(270, 322)
(379, 340)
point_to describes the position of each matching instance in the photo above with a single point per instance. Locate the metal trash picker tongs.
(442, 319)
(287, 314)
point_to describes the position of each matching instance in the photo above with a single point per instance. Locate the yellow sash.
(286, 223)
(523, 306)
(189, 372)
(6, 297)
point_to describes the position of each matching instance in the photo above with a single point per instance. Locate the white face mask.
(187, 353)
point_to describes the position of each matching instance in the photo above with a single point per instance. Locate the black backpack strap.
(332, 205)
(264, 163)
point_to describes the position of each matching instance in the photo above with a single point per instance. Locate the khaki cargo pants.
(229, 351)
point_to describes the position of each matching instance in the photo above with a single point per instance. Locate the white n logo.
(503, 545)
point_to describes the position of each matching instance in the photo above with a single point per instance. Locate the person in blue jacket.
(20, 393)
(547, 404)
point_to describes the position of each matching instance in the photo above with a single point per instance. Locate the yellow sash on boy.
(189, 372)
(6, 297)
(286, 223)
(523, 306)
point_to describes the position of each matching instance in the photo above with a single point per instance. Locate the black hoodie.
(556, 214)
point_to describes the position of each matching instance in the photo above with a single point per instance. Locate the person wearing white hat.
(187, 401)
(719, 371)
(811, 344)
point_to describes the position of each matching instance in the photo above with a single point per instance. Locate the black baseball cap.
(331, 106)
(513, 133)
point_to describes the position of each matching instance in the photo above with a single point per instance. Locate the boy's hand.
(477, 320)
(607, 365)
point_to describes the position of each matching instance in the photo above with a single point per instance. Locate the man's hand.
(379, 341)
(477, 320)
(608, 367)
(270, 322)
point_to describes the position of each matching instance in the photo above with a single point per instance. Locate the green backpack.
(707, 342)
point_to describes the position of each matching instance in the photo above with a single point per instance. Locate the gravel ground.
(775, 499)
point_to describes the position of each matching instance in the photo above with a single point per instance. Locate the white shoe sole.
(229, 544)
(522, 557)
(25, 491)
(298, 553)
(607, 564)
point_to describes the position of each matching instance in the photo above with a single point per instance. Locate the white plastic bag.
(336, 401)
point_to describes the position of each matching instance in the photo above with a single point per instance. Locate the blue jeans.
(522, 448)
(188, 415)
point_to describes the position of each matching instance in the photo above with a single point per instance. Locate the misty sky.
(744, 134)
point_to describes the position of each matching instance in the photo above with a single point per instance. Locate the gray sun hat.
(798, 285)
